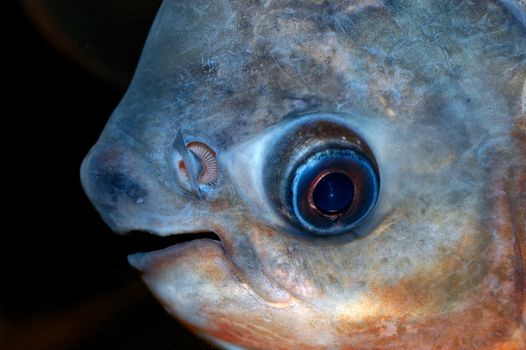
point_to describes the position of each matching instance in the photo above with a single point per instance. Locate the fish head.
(361, 163)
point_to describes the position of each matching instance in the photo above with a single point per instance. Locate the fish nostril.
(194, 166)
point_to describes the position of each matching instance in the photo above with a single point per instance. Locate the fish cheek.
(471, 295)
(289, 262)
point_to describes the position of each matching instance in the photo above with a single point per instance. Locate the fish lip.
(143, 261)
(160, 248)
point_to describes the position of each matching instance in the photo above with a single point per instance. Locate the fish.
(359, 167)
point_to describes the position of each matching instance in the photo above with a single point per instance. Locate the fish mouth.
(143, 246)
(155, 256)
(144, 242)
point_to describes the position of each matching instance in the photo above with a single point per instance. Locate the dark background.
(65, 282)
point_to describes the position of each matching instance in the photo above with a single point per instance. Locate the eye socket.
(312, 176)
(334, 190)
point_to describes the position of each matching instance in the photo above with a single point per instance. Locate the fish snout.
(135, 187)
(112, 182)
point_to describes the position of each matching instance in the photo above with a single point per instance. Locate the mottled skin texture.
(435, 88)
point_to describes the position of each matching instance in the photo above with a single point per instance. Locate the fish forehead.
(435, 89)
(245, 65)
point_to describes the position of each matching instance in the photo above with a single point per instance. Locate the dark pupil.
(333, 194)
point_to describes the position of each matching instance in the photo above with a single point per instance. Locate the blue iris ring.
(334, 191)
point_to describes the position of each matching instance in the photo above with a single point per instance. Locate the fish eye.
(313, 176)
(320, 176)
(334, 190)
